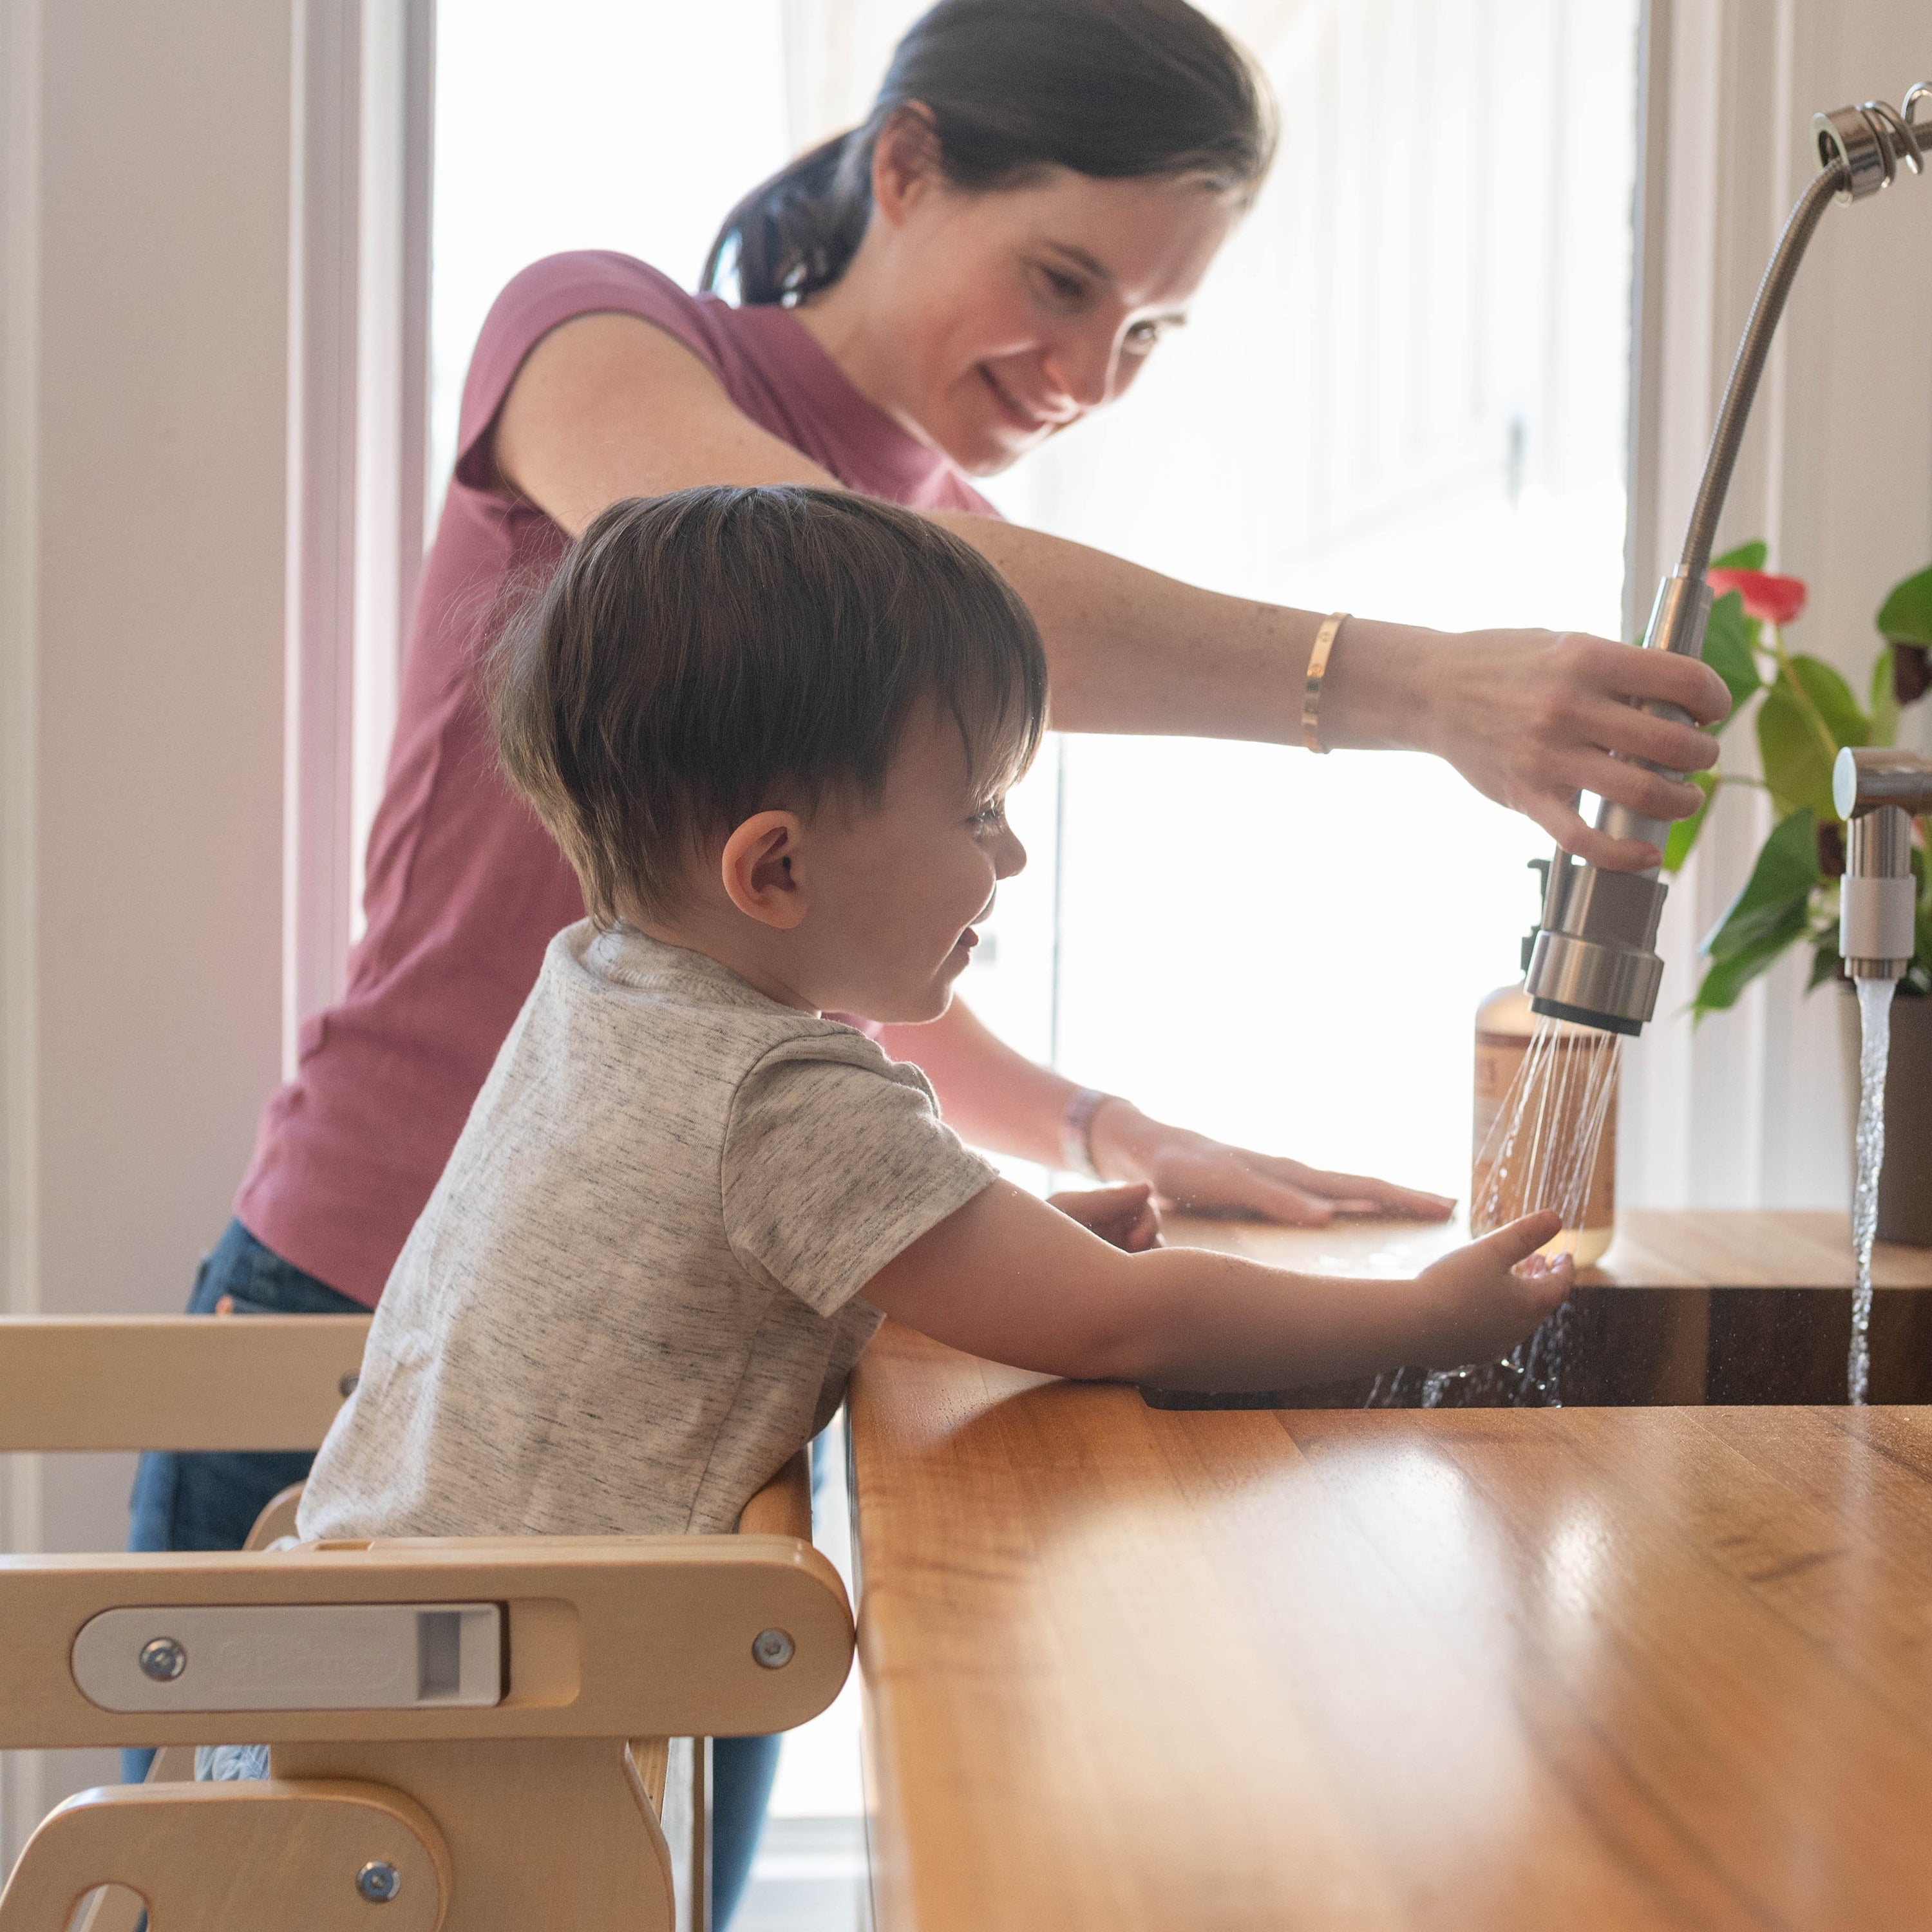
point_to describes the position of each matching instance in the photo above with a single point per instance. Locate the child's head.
(777, 724)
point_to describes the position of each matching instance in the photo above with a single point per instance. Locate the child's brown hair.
(703, 656)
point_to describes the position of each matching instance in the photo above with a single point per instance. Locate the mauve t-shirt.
(464, 887)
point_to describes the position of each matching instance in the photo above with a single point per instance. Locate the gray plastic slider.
(295, 1657)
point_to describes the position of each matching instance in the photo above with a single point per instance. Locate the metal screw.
(379, 1882)
(347, 1384)
(163, 1659)
(773, 1648)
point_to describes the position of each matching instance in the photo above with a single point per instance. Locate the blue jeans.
(211, 1502)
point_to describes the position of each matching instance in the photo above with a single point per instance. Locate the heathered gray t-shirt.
(635, 1291)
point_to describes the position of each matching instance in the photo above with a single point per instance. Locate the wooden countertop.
(1511, 1670)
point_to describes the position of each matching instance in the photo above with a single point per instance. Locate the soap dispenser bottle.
(1504, 1025)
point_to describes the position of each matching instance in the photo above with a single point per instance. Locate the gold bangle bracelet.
(1318, 669)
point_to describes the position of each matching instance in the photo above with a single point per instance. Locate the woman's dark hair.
(703, 656)
(1112, 88)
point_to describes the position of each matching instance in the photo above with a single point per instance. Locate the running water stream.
(1874, 1053)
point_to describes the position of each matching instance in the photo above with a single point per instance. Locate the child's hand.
(1125, 1216)
(1488, 1296)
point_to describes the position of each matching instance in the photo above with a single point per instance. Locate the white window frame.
(359, 370)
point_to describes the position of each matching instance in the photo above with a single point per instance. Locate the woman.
(1029, 208)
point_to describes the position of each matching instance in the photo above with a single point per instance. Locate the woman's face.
(1000, 318)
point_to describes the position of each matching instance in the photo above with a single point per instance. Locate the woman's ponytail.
(1112, 88)
(795, 233)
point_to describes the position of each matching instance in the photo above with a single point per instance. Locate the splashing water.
(1874, 1053)
(1540, 1152)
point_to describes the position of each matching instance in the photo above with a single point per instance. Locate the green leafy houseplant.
(1806, 714)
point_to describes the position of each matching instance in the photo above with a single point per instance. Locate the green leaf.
(1885, 706)
(1905, 617)
(1730, 647)
(1796, 767)
(1684, 833)
(1728, 977)
(1746, 556)
(1832, 695)
(1797, 761)
(1778, 889)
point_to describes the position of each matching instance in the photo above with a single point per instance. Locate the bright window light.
(602, 124)
(1402, 392)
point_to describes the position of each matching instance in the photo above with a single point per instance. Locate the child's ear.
(758, 868)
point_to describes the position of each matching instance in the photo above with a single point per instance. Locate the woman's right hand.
(1485, 1298)
(1533, 718)
(1125, 1217)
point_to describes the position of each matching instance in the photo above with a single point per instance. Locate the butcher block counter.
(1485, 1670)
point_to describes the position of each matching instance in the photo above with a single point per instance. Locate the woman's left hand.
(1204, 1176)
(1124, 1215)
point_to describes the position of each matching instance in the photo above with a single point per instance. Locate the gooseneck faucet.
(1595, 960)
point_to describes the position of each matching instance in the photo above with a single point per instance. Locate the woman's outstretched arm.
(609, 406)
(999, 1099)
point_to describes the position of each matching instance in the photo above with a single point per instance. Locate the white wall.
(145, 313)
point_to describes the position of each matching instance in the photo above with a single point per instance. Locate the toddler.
(773, 729)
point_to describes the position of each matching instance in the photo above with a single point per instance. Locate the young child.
(773, 729)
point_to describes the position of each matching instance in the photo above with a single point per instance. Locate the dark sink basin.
(1617, 1347)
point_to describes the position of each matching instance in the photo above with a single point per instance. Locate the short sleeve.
(545, 296)
(835, 1159)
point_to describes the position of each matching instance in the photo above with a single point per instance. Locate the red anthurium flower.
(1771, 600)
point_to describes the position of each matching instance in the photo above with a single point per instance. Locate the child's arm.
(1007, 1277)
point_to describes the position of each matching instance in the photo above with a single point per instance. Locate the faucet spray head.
(1596, 962)
(1876, 792)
